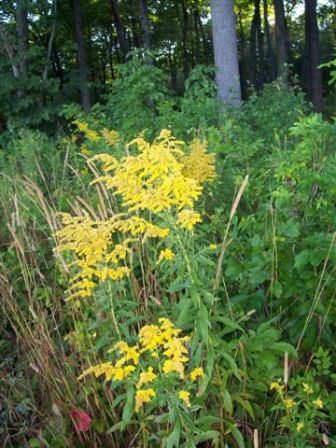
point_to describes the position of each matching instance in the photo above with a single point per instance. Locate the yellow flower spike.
(198, 164)
(143, 396)
(146, 377)
(275, 385)
(197, 373)
(166, 254)
(318, 403)
(307, 388)
(300, 426)
(188, 218)
(172, 366)
(185, 397)
(91, 135)
(111, 137)
(85, 151)
(289, 403)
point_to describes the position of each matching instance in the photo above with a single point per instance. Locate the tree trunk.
(10, 53)
(281, 37)
(120, 29)
(260, 39)
(270, 53)
(145, 24)
(312, 51)
(197, 38)
(204, 39)
(22, 33)
(81, 56)
(185, 30)
(225, 51)
(253, 50)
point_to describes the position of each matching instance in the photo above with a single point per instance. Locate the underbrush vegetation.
(167, 273)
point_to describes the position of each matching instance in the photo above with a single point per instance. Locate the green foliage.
(275, 295)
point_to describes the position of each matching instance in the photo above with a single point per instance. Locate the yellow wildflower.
(85, 151)
(91, 135)
(111, 137)
(307, 388)
(174, 365)
(109, 371)
(130, 353)
(197, 373)
(166, 254)
(198, 164)
(81, 125)
(143, 396)
(275, 385)
(318, 403)
(289, 403)
(185, 396)
(153, 179)
(188, 218)
(146, 377)
(300, 426)
(213, 246)
(150, 337)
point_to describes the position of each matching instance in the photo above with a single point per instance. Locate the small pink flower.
(80, 419)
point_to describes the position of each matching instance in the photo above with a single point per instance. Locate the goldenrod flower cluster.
(166, 254)
(160, 351)
(159, 179)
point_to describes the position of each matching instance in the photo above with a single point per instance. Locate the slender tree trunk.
(197, 38)
(22, 33)
(10, 53)
(50, 41)
(124, 45)
(145, 24)
(281, 37)
(253, 50)
(57, 66)
(313, 74)
(185, 30)
(260, 39)
(81, 56)
(270, 52)
(135, 24)
(225, 51)
(173, 73)
(206, 48)
(242, 51)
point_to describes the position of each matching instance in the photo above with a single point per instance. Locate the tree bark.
(270, 52)
(281, 37)
(22, 33)
(312, 51)
(225, 51)
(81, 57)
(123, 42)
(253, 50)
(145, 24)
(10, 53)
(185, 31)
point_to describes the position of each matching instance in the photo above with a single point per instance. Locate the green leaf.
(128, 408)
(236, 434)
(232, 364)
(207, 435)
(227, 400)
(277, 290)
(174, 438)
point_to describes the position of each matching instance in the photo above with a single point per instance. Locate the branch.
(10, 52)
